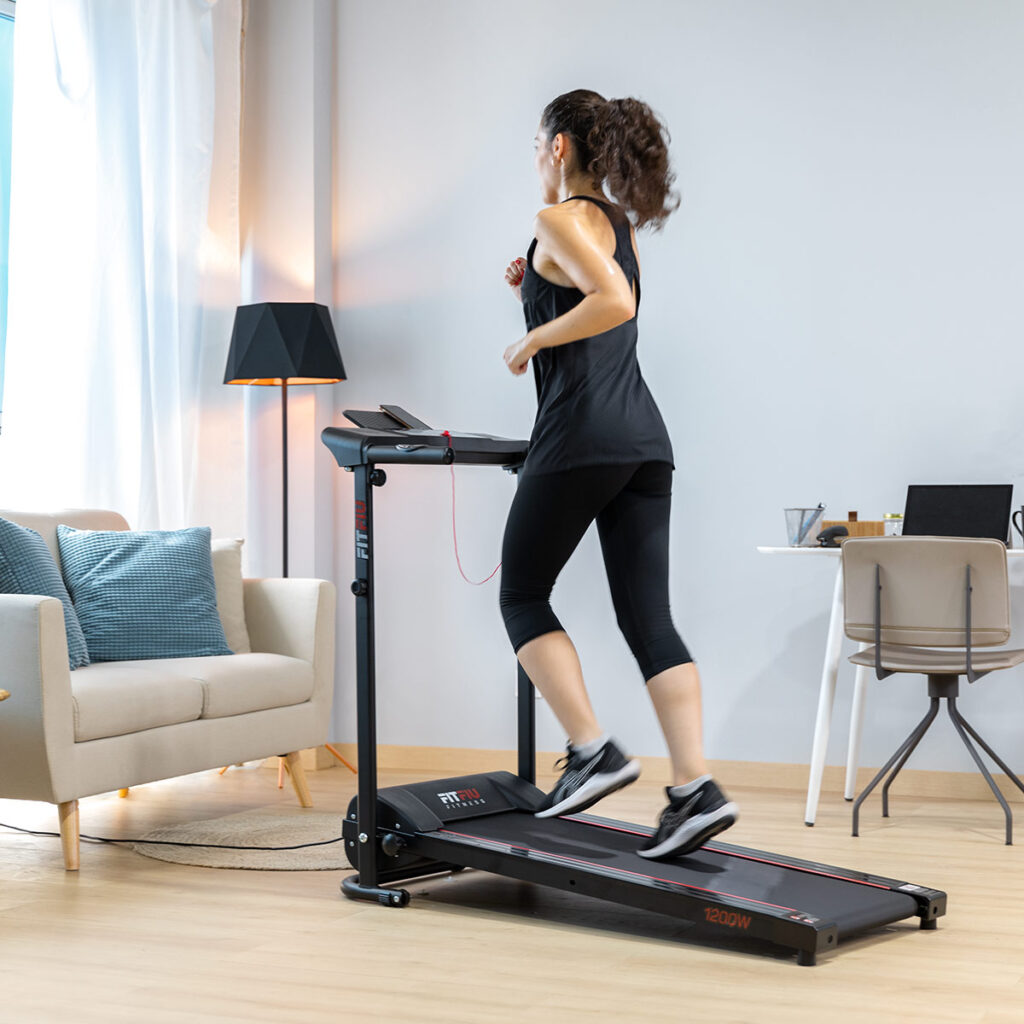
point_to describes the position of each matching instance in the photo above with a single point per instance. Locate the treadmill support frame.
(367, 884)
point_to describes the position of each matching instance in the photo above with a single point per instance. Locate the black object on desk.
(830, 538)
(958, 510)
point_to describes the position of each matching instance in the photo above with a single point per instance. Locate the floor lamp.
(282, 343)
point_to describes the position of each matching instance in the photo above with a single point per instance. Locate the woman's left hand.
(518, 355)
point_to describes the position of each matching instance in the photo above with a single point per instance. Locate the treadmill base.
(486, 822)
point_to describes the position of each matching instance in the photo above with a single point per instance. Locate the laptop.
(958, 510)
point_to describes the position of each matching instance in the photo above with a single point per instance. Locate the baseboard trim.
(444, 761)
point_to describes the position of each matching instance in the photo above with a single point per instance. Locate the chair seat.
(897, 658)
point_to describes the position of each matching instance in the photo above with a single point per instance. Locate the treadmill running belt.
(852, 905)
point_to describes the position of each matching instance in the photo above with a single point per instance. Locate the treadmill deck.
(733, 876)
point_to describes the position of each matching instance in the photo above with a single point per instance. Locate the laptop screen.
(958, 510)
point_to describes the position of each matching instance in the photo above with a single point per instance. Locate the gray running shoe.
(587, 779)
(690, 821)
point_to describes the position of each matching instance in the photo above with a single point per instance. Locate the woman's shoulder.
(574, 215)
(550, 217)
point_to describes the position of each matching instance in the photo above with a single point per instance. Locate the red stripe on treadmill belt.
(742, 856)
(621, 871)
(611, 828)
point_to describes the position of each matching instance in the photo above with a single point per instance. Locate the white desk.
(827, 690)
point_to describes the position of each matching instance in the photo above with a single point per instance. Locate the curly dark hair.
(622, 143)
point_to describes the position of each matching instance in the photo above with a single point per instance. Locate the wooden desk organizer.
(861, 528)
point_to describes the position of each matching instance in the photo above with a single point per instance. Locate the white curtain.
(124, 268)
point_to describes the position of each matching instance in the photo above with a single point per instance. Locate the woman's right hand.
(514, 275)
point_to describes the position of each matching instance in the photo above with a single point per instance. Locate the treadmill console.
(387, 417)
(391, 434)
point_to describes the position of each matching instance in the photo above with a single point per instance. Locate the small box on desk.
(858, 528)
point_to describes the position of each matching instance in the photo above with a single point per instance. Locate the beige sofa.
(112, 725)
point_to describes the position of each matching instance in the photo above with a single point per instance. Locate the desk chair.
(907, 596)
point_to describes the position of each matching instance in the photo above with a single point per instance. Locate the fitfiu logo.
(727, 917)
(457, 799)
(361, 530)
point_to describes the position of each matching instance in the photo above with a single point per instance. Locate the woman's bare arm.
(568, 241)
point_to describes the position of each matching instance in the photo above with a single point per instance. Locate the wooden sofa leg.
(298, 775)
(68, 814)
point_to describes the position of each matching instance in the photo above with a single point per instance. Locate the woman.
(599, 450)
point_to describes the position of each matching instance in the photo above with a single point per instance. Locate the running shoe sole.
(593, 790)
(694, 833)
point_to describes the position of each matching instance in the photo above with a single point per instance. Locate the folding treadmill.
(486, 821)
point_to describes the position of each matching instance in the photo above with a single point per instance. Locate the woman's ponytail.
(630, 144)
(622, 143)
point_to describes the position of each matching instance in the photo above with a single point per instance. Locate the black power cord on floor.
(167, 842)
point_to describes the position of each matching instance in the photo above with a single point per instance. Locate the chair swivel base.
(940, 687)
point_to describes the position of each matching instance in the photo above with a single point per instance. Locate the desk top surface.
(835, 552)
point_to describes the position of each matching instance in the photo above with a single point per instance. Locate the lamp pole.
(284, 475)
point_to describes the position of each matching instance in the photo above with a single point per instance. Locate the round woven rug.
(267, 827)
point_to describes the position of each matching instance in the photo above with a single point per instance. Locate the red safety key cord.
(455, 538)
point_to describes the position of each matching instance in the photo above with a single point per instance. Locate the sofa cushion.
(227, 575)
(247, 682)
(115, 698)
(45, 523)
(28, 567)
(145, 594)
(120, 697)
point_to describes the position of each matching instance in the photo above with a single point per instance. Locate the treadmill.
(485, 821)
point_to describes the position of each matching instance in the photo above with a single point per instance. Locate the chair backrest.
(923, 597)
(45, 523)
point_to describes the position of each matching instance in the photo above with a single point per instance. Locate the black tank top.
(593, 406)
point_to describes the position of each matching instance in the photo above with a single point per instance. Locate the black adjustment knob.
(378, 478)
(360, 588)
(392, 845)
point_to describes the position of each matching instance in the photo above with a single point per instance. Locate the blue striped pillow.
(143, 594)
(27, 567)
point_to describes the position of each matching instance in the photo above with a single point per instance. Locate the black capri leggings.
(549, 516)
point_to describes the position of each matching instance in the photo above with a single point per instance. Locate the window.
(6, 96)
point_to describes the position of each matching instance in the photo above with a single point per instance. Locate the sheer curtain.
(124, 262)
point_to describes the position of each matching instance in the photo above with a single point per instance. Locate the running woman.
(599, 450)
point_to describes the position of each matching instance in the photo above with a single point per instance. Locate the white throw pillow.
(227, 577)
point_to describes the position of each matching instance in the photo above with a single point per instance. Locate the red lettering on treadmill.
(729, 918)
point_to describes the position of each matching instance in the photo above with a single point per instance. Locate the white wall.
(835, 312)
(285, 200)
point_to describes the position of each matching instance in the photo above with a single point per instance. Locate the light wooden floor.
(133, 939)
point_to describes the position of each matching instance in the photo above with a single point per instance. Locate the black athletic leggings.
(549, 516)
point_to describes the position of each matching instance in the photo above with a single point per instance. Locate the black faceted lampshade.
(283, 342)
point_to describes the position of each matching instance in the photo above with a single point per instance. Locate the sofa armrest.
(294, 617)
(37, 731)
